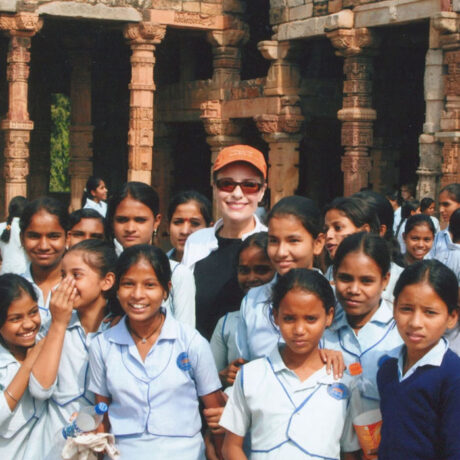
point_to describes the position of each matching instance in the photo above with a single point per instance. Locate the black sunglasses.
(247, 186)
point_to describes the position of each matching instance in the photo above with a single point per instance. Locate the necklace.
(144, 339)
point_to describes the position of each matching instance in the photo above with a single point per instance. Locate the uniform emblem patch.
(338, 391)
(183, 361)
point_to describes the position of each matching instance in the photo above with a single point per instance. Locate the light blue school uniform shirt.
(154, 403)
(257, 333)
(100, 207)
(288, 418)
(377, 339)
(441, 243)
(70, 391)
(43, 304)
(16, 426)
(223, 340)
(449, 254)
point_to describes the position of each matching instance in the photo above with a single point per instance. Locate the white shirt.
(288, 418)
(449, 254)
(433, 358)
(204, 241)
(14, 258)
(15, 426)
(377, 338)
(223, 340)
(397, 220)
(100, 207)
(156, 397)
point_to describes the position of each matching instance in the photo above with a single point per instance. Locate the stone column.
(357, 47)
(448, 24)
(17, 124)
(162, 175)
(221, 133)
(81, 129)
(281, 133)
(227, 53)
(429, 170)
(142, 38)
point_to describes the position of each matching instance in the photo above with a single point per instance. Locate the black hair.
(256, 240)
(453, 190)
(357, 210)
(383, 209)
(12, 287)
(204, 204)
(454, 225)
(92, 184)
(441, 278)
(304, 209)
(153, 255)
(369, 244)
(425, 203)
(417, 220)
(137, 191)
(305, 280)
(98, 254)
(48, 204)
(393, 195)
(84, 213)
(408, 207)
(15, 208)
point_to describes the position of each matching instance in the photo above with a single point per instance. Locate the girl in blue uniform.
(150, 368)
(78, 309)
(44, 223)
(418, 237)
(367, 330)
(133, 218)
(289, 404)
(188, 212)
(294, 239)
(419, 388)
(19, 325)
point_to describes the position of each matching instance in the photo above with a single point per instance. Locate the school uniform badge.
(338, 391)
(183, 361)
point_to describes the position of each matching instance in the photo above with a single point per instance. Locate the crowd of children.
(305, 324)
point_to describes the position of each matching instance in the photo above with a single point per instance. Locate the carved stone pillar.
(142, 38)
(81, 129)
(17, 125)
(384, 171)
(226, 52)
(357, 46)
(221, 133)
(429, 170)
(281, 133)
(448, 24)
(162, 175)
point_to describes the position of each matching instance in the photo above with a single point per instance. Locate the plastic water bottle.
(365, 413)
(88, 419)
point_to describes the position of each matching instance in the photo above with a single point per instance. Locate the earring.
(155, 233)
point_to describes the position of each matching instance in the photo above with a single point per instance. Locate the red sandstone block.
(334, 6)
(211, 8)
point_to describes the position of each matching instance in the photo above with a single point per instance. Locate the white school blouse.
(288, 418)
(14, 258)
(16, 426)
(100, 207)
(69, 393)
(223, 340)
(377, 339)
(154, 403)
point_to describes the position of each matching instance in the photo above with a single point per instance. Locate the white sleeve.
(241, 334)
(237, 416)
(38, 391)
(349, 440)
(218, 346)
(183, 295)
(5, 379)
(97, 369)
(204, 369)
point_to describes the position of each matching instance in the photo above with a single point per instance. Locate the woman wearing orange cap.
(239, 176)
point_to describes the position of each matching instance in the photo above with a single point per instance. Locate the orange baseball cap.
(244, 153)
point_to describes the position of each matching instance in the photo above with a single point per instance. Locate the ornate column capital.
(21, 24)
(237, 35)
(351, 42)
(144, 32)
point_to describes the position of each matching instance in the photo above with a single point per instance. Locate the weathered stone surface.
(87, 11)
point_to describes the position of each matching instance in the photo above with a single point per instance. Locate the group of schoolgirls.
(135, 351)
